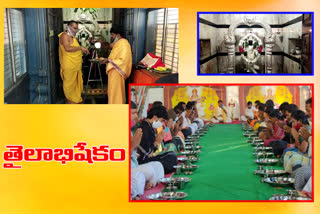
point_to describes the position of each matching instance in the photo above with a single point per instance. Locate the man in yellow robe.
(70, 56)
(119, 66)
(220, 114)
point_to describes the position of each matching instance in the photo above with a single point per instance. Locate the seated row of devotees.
(157, 139)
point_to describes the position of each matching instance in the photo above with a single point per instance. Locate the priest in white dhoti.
(249, 113)
(220, 114)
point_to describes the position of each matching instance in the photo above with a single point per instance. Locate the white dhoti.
(201, 123)
(220, 116)
(221, 120)
(214, 120)
(194, 127)
(243, 118)
(152, 171)
(308, 186)
(138, 182)
(248, 113)
(228, 120)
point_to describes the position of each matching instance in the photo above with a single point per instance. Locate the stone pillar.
(268, 57)
(269, 43)
(230, 44)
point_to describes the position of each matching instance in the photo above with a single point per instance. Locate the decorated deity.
(232, 108)
(250, 44)
(269, 95)
(194, 96)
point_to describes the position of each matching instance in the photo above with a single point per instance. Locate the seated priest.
(220, 114)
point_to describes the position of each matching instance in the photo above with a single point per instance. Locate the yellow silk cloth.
(70, 72)
(217, 112)
(121, 56)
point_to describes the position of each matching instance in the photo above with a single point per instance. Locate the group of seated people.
(288, 131)
(156, 140)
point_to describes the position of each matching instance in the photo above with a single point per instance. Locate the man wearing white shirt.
(186, 130)
(248, 114)
(221, 114)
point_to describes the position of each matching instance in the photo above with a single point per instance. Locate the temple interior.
(31, 50)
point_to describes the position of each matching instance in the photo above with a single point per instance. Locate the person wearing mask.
(118, 67)
(143, 176)
(152, 137)
(70, 57)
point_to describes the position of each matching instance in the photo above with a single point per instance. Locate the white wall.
(304, 95)
(232, 92)
(153, 94)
